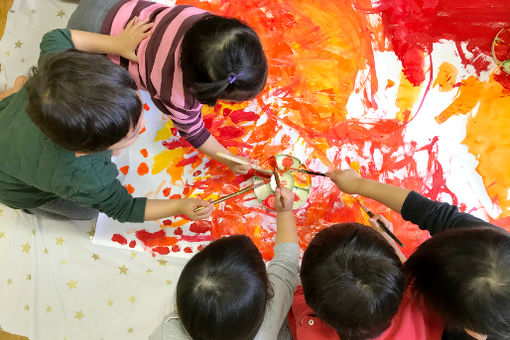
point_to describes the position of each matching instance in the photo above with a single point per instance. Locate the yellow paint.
(488, 139)
(406, 97)
(164, 159)
(165, 132)
(446, 77)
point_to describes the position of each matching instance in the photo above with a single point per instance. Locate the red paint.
(167, 222)
(143, 130)
(176, 143)
(161, 250)
(200, 247)
(124, 169)
(132, 244)
(188, 250)
(413, 27)
(166, 192)
(143, 169)
(144, 153)
(146, 107)
(230, 132)
(119, 239)
(189, 160)
(196, 238)
(176, 248)
(287, 162)
(178, 231)
(269, 202)
(243, 116)
(157, 239)
(200, 227)
(197, 173)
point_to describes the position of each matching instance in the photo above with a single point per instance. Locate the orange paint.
(144, 153)
(446, 77)
(129, 188)
(124, 169)
(143, 169)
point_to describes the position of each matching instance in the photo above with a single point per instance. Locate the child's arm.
(285, 222)
(124, 44)
(211, 147)
(18, 84)
(351, 182)
(160, 208)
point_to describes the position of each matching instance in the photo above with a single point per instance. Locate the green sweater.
(34, 170)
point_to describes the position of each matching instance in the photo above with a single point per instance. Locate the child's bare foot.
(19, 82)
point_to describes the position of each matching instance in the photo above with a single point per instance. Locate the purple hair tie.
(231, 77)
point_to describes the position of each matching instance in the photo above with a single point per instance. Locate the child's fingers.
(383, 220)
(131, 22)
(146, 27)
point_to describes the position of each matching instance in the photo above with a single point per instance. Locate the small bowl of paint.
(501, 49)
(299, 183)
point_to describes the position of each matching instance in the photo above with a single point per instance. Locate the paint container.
(299, 183)
(501, 50)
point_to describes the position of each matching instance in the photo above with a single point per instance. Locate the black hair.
(353, 280)
(82, 101)
(464, 275)
(222, 58)
(223, 290)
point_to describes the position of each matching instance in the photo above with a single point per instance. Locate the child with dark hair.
(353, 287)
(462, 272)
(192, 58)
(225, 293)
(61, 128)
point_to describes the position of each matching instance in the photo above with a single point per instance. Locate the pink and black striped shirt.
(158, 69)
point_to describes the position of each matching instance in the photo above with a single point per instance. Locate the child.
(60, 130)
(224, 292)
(192, 58)
(462, 273)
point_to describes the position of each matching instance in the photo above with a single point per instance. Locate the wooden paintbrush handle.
(243, 162)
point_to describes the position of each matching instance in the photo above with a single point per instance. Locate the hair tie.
(231, 77)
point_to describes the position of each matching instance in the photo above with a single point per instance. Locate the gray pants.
(62, 209)
(89, 15)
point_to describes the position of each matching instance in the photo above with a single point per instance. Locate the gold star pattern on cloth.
(148, 271)
(29, 277)
(91, 232)
(95, 256)
(61, 14)
(59, 241)
(27, 308)
(162, 262)
(110, 303)
(48, 309)
(131, 330)
(25, 248)
(18, 44)
(72, 284)
(79, 315)
(133, 254)
(9, 281)
(168, 282)
(132, 299)
(2, 234)
(123, 269)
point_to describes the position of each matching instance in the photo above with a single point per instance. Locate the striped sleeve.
(158, 69)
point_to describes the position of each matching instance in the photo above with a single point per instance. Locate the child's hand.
(345, 180)
(288, 199)
(129, 39)
(187, 205)
(376, 226)
(239, 169)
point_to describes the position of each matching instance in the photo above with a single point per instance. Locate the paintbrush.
(383, 227)
(243, 162)
(237, 193)
(279, 185)
(309, 172)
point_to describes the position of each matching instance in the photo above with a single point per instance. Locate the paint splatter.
(132, 244)
(143, 169)
(129, 188)
(124, 169)
(161, 250)
(119, 239)
(167, 191)
(144, 153)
